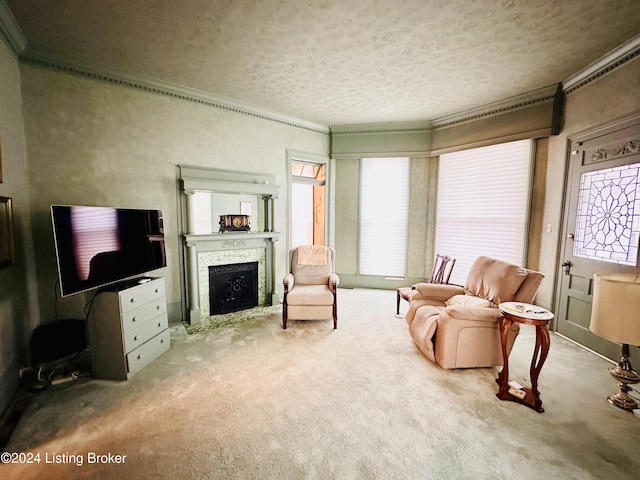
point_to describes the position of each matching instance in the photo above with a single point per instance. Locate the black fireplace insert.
(233, 287)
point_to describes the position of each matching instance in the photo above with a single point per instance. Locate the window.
(384, 194)
(301, 214)
(202, 215)
(483, 200)
(608, 219)
(308, 184)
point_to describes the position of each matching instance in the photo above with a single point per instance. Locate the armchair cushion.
(494, 280)
(310, 295)
(312, 272)
(475, 314)
(467, 301)
(437, 291)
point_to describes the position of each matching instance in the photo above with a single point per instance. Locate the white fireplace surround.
(227, 247)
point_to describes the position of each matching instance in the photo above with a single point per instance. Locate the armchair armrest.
(334, 280)
(475, 314)
(288, 282)
(437, 291)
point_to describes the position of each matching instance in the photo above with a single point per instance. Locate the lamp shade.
(615, 310)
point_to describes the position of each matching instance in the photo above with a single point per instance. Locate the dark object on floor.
(57, 339)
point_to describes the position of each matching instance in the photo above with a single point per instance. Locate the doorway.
(602, 226)
(308, 203)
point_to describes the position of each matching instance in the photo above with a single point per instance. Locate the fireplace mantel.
(194, 179)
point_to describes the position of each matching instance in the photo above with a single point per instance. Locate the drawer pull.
(157, 307)
(139, 356)
(157, 290)
(135, 338)
(133, 299)
(159, 324)
(162, 340)
(134, 319)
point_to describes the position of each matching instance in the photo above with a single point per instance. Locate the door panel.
(597, 234)
(318, 215)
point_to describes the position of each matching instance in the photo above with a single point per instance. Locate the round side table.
(527, 314)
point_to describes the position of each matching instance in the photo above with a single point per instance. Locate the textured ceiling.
(336, 62)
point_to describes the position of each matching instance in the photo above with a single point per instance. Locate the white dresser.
(128, 329)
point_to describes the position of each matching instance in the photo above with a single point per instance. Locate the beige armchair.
(459, 327)
(310, 288)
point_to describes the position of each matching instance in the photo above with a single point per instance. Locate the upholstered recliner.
(310, 288)
(459, 327)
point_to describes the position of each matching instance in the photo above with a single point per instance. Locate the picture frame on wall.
(7, 245)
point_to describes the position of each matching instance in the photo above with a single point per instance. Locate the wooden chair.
(440, 273)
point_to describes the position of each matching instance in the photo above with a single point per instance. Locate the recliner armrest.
(438, 291)
(334, 279)
(476, 314)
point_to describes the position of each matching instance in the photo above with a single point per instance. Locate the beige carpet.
(253, 401)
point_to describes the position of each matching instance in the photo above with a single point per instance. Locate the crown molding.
(378, 128)
(153, 85)
(541, 95)
(391, 154)
(10, 31)
(605, 64)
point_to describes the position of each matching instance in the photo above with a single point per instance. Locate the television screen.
(97, 246)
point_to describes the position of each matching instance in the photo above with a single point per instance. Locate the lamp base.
(624, 373)
(622, 400)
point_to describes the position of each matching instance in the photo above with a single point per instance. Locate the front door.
(602, 226)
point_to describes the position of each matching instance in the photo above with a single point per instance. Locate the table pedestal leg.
(503, 376)
(539, 356)
(532, 395)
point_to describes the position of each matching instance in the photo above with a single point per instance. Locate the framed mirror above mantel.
(244, 201)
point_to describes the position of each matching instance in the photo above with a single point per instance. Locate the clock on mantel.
(234, 223)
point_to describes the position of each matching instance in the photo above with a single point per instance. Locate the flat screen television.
(99, 246)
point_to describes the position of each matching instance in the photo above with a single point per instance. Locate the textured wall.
(17, 282)
(98, 143)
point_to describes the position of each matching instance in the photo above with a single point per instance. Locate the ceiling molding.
(369, 128)
(605, 64)
(153, 85)
(541, 95)
(10, 31)
(392, 154)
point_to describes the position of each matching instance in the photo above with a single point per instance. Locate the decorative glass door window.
(608, 217)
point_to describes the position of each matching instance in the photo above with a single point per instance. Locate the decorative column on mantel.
(191, 223)
(194, 179)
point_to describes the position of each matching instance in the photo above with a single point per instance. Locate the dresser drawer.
(134, 318)
(133, 297)
(135, 337)
(148, 352)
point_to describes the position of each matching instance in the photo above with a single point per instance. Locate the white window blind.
(483, 200)
(202, 214)
(384, 193)
(301, 214)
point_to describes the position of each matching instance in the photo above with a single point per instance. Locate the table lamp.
(615, 315)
